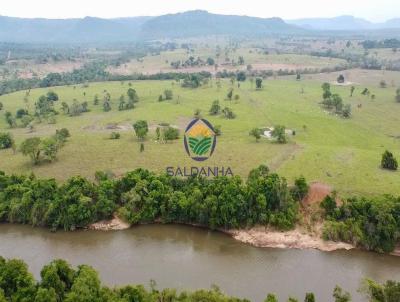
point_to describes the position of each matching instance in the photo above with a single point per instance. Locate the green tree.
(57, 276)
(230, 94)
(397, 95)
(329, 205)
(43, 106)
(309, 297)
(300, 189)
(6, 140)
(121, 105)
(170, 133)
(388, 161)
(279, 133)
(326, 88)
(215, 108)
(86, 286)
(168, 94)
(228, 113)
(271, 298)
(52, 96)
(337, 102)
(346, 111)
(16, 281)
(352, 88)
(340, 79)
(388, 292)
(10, 120)
(45, 295)
(256, 133)
(132, 95)
(62, 135)
(65, 108)
(341, 296)
(241, 76)
(50, 148)
(107, 102)
(32, 148)
(259, 82)
(21, 112)
(96, 100)
(141, 128)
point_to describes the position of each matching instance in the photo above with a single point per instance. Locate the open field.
(342, 153)
(256, 57)
(370, 78)
(26, 69)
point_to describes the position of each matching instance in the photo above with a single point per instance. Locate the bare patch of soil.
(262, 237)
(316, 193)
(114, 224)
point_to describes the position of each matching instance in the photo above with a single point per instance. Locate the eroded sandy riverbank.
(257, 236)
(260, 237)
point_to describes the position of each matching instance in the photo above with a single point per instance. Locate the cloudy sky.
(372, 10)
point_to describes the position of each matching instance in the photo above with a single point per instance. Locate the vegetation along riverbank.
(222, 203)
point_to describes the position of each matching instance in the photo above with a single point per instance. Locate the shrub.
(168, 94)
(256, 132)
(21, 112)
(388, 161)
(217, 130)
(115, 135)
(62, 135)
(279, 133)
(6, 140)
(141, 128)
(170, 133)
(340, 79)
(300, 189)
(329, 205)
(228, 113)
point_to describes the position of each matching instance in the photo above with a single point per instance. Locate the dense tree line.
(372, 223)
(144, 197)
(60, 282)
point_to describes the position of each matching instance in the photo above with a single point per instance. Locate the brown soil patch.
(317, 192)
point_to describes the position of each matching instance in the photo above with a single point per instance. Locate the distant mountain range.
(348, 23)
(180, 25)
(90, 29)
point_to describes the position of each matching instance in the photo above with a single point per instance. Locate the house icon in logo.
(200, 139)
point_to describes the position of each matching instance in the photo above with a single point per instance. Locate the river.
(190, 258)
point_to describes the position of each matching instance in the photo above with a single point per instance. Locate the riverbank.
(114, 224)
(258, 236)
(261, 237)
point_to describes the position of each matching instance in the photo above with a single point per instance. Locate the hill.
(90, 29)
(201, 23)
(346, 23)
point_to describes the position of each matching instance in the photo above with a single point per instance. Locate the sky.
(373, 10)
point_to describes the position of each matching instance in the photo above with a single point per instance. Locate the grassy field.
(258, 59)
(343, 153)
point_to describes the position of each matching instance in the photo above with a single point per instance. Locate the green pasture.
(327, 148)
(255, 56)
